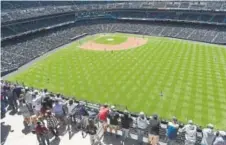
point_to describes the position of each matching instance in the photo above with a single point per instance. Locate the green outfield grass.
(111, 39)
(191, 75)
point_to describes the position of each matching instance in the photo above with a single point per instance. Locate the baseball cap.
(174, 118)
(190, 122)
(113, 107)
(125, 111)
(141, 113)
(154, 116)
(210, 126)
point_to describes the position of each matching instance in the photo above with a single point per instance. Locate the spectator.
(36, 103)
(71, 118)
(11, 98)
(14, 104)
(44, 93)
(126, 122)
(58, 97)
(114, 117)
(49, 101)
(154, 126)
(91, 129)
(190, 133)
(3, 106)
(42, 134)
(52, 123)
(219, 140)
(23, 108)
(102, 116)
(28, 98)
(58, 110)
(44, 109)
(17, 91)
(207, 135)
(83, 114)
(142, 124)
(171, 132)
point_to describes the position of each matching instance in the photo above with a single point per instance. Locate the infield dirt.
(132, 42)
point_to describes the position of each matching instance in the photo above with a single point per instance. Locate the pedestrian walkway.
(12, 134)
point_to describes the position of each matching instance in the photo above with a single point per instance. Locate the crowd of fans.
(17, 54)
(22, 10)
(44, 112)
(29, 25)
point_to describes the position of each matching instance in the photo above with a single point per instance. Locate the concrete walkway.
(12, 134)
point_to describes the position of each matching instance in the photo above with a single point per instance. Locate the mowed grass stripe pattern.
(192, 77)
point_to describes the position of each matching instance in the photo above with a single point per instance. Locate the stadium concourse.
(12, 133)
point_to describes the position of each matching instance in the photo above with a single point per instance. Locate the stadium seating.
(21, 17)
(14, 54)
(34, 24)
(22, 10)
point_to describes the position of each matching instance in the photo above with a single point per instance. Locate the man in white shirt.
(28, 98)
(219, 140)
(36, 102)
(142, 124)
(70, 109)
(207, 135)
(190, 133)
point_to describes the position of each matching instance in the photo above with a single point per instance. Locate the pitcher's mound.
(132, 42)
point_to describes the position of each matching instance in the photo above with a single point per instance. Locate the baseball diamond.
(159, 76)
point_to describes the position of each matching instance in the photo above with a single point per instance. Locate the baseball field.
(170, 77)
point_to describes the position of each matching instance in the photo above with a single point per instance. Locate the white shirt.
(219, 141)
(37, 103)
(71, 107)
(190, 132)
(142, 123)
(28, 97)
(208, 136)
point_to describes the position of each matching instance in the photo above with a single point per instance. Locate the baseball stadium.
(152, 57)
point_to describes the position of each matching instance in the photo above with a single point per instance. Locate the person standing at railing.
(142, 125)
(84, 115)
(36, 102)
(171, 131)
(219, 140)
(70, 114)
(190, 133)
(58, 111)
(28, 98)
(207, 135)
(102, 116)
(114, 117)
(154, 126)
(126, 122)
